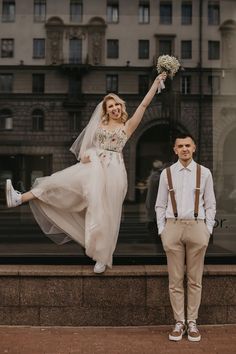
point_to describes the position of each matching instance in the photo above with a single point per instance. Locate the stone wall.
(123, 296)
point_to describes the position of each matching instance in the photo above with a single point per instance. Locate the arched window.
(38, 120)
(6, 119)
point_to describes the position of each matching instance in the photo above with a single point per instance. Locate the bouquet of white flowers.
(168, 64)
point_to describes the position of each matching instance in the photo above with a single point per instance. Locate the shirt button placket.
(183, 191)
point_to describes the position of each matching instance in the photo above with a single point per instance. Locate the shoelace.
(17, 197)
(17, 193)
(178, 326)
(193, 327)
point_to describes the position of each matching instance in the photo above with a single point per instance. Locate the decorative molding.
(54, 21)
(75, 32)
(227, 111)
(228, 34)
(54, 46)
(38, 106)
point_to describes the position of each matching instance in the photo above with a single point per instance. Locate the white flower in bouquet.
(169, 64)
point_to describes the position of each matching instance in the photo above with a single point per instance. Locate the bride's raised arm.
(134, 121)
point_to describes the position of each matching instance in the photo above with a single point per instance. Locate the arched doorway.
(154, 144)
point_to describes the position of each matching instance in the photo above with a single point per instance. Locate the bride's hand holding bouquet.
(167, 64)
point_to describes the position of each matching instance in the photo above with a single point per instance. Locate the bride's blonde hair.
(117, 99)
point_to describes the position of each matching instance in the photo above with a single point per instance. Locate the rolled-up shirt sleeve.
(209, 203)
(161, 202)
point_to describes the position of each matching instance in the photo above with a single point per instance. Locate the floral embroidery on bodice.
(111, 140)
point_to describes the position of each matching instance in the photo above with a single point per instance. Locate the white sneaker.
(193, 332)
(178, 331)
(99, 267)
(13, 197)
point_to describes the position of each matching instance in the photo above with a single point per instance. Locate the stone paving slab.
(113, 340)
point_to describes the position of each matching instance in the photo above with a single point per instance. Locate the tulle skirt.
(84, 203)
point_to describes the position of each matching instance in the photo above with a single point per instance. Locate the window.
(39, 10)
(38, 48)
(38, 83)
(165, 46)
(186, 13)
(112, 48)
(112, 11)
(75, 51)
(6, 83)
(165, 13)
(213, 13)
(7, 48)
(6, 120)
(112, 83)
(75, 119)
(74, 86)
(186, 84)
(213, 50)
(143, 84)
(8, 11)
(144, 12)
(214, 84)
(143, 49)
(76, 10)
(186, 49)
(38, 120)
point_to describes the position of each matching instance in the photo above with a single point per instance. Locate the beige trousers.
(185, 240)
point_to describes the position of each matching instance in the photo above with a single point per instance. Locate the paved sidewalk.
(113, 340)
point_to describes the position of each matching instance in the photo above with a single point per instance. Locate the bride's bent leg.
(15, 198)
(26, 197)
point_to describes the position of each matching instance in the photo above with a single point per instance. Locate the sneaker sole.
(176, 339)
(194, 339)
(99, 271)
(8, 193)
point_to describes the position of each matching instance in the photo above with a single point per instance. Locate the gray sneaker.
(13, 197)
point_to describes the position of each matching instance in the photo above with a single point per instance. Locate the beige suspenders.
(172, 193)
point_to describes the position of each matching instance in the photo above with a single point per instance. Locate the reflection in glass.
(44, 107)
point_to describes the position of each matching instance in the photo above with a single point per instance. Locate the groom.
(185, 209)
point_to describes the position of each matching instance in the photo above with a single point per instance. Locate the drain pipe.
(200, 82)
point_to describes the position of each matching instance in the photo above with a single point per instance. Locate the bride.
(84, 202)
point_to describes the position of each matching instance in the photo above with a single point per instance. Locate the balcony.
(75, 65)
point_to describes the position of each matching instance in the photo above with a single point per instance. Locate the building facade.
(59, 58)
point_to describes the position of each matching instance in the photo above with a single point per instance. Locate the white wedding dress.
(84, 202)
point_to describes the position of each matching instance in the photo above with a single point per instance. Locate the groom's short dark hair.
(183, 136)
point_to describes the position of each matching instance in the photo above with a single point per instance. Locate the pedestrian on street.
(185, 209)
(84, 202)
(153, 184)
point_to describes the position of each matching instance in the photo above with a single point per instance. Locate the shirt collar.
(190, 167)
